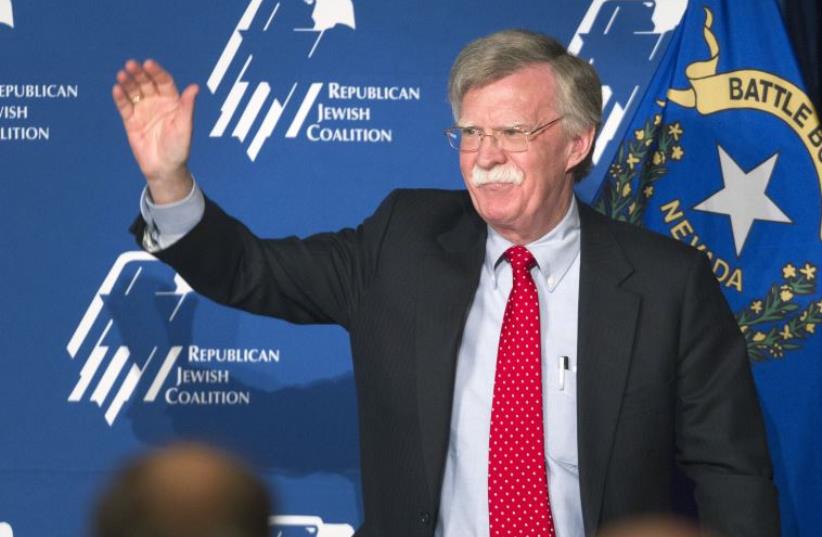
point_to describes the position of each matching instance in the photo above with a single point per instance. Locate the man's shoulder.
(641, 245)
(417, 220)
(429, 206)
(421, 199)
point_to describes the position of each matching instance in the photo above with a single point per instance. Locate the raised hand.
(158, 122)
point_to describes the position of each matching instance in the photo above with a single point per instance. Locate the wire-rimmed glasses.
(512, 139)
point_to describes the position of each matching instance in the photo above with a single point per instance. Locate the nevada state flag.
(724, 153)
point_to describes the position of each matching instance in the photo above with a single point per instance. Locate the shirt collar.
(554, 252)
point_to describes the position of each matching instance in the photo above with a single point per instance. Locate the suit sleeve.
(318, 279)
(721, 438)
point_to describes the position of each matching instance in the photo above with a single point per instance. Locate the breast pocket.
(560, 407)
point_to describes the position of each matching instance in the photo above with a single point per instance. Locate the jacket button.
(425, 517)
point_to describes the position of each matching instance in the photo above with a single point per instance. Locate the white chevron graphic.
(6, 15)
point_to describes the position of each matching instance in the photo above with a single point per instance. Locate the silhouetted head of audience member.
(185, 490)
(655, 526)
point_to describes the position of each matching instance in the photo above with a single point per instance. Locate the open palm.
(158, 122)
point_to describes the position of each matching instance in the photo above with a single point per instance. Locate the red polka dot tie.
(518, 501)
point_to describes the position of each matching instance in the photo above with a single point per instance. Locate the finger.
(187, 100)
(122, 102)
(129, 86)
(146, 85)
(162, 79)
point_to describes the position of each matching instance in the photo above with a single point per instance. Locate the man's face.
(521, 212)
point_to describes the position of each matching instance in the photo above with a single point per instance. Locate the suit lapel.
(607, 322)
(447, 283)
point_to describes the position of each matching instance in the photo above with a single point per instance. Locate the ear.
(578, 148)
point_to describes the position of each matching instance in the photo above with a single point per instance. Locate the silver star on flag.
(743, 198)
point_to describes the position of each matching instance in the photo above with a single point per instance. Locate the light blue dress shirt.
(168, 223)
(464, 495)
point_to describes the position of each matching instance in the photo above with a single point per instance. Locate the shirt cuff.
(169, 222)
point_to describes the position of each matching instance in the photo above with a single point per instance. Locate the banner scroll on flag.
(725, 153)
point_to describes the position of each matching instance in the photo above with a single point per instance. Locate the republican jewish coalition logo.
(120, 343)
(6, 16)
(268, 72)
(135, 341)
(326, 16)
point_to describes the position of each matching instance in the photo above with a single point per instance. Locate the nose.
(490, 154)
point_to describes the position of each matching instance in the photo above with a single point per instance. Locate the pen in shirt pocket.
(563, 364)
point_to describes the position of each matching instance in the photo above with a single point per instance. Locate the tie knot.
(520, 258)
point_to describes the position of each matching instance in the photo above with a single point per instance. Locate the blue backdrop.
(310, 112)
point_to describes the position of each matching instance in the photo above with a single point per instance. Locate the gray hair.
(491, 58)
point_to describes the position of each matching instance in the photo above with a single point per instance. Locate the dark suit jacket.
(663, 377)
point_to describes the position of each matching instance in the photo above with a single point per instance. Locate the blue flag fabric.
(725, 153)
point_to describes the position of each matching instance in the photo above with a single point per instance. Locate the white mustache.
(498, 174)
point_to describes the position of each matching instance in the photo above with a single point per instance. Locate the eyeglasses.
(513, 139)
